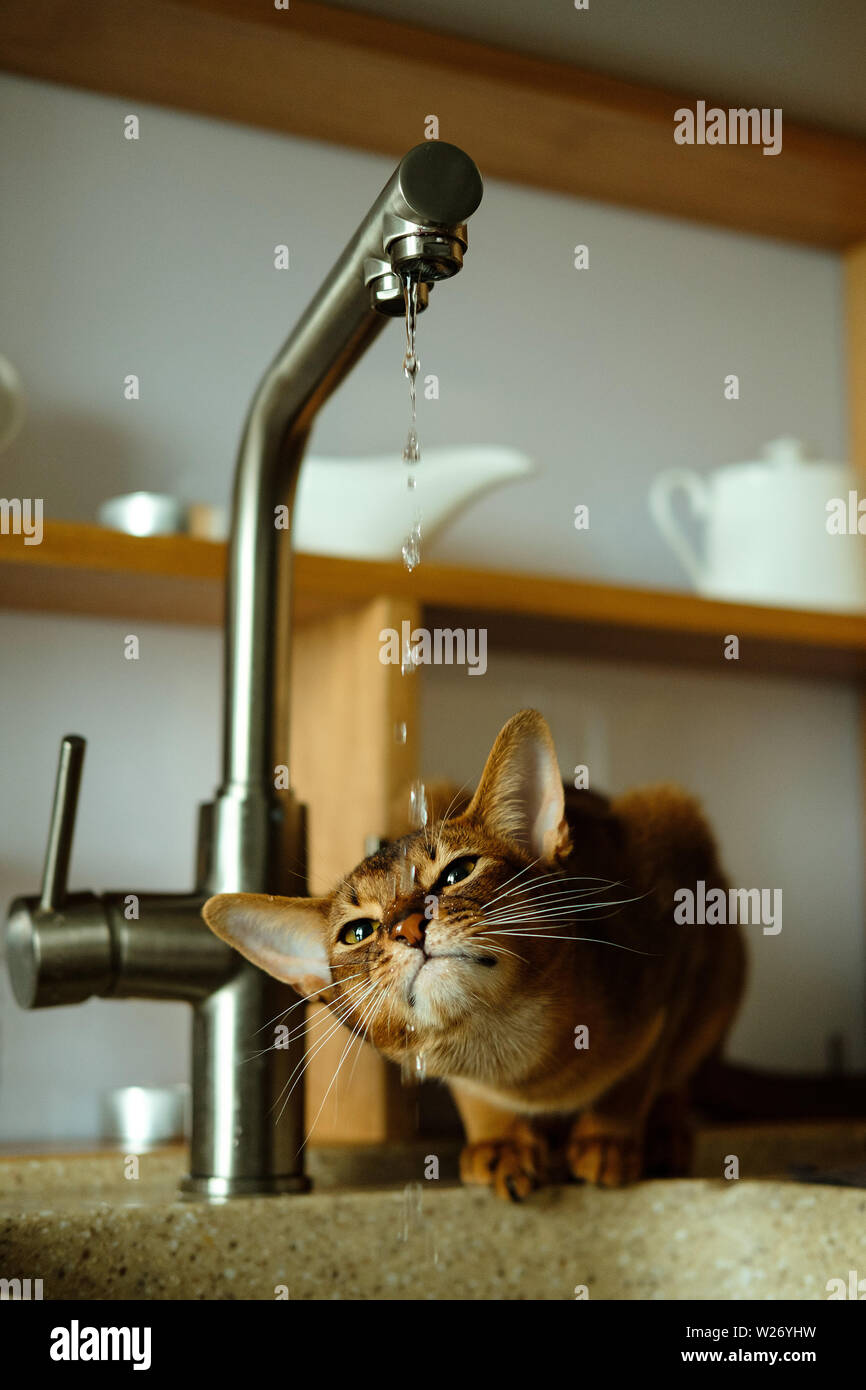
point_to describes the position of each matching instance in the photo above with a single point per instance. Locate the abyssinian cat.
(525, 945)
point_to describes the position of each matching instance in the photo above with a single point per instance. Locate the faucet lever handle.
(62, 825)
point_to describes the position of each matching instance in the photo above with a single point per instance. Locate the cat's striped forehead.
(382, 875)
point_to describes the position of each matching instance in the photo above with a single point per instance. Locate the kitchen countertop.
(76, 1222)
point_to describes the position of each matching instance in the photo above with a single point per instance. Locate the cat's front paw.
(514, 1166)
(605, 1158)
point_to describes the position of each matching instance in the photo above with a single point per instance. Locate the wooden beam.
(348, 768)
(83, 569)
(855, 322)
(855, 330)
(365, 82)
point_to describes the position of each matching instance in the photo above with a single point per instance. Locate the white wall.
(156, 258)
(152, 756)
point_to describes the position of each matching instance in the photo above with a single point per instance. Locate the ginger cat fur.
(488, 939)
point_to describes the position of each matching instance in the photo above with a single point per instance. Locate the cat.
(524, 945)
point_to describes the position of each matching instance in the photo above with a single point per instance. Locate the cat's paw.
(606, 1159)
(514, 1166)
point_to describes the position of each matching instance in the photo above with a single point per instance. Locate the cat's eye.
(457, 870)
(356, 931)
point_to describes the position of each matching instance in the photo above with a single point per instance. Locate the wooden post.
(855, 316)
(349, 767)
(855, 306)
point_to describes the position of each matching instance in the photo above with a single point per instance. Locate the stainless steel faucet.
(64, 948)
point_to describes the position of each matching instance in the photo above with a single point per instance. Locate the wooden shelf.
(326, 73)
(85, 570)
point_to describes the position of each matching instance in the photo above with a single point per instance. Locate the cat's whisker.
(352, 1039)
(542, 918)
(538, 912)
(546, 885)
(308, 1134)
(332, 1022)
(499, 949)
(305, 1061)
(563, 914)
(443, 818)
(553, 903)
(365, 1023)
(555, 877)
(301, 1066)
(508, 887)
(540, 884)
(297, 1031)
(555, 888)
(459, 792)
(358, 1036)
(515, 876)
(390, 986)
(305, 999)
(557, 936)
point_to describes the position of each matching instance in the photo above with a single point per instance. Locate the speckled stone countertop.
(88, 1232)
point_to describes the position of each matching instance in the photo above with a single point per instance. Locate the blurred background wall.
(156, 257)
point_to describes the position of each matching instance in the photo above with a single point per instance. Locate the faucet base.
(216, 1189)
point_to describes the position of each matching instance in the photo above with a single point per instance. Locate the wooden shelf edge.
(87, 570)
(300, 71)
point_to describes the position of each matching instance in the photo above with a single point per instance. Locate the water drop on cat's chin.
(420, 1067)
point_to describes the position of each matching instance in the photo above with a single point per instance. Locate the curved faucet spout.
(416, 226)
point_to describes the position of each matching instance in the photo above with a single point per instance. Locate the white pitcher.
(767, 534)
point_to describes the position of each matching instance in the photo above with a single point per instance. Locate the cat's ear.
(520, 796)
(287, 937)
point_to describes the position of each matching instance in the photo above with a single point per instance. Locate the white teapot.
(771, 530)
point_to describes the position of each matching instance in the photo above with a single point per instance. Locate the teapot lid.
(785, 452)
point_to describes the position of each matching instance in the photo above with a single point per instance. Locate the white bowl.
(362, 508)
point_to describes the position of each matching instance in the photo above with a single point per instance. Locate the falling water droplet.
(420, 1067)
(418, 809)
(411, 365)
(412, 448)
(413, 1198)
(400, 732)
(408, 659)
(412, 548)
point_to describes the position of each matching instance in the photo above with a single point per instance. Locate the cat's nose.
(411, 929)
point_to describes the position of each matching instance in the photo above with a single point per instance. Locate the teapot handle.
(661, 494)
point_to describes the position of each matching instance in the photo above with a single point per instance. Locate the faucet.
(64, 948)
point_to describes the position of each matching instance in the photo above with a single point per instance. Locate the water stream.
(413, 1073)
(412, 447)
